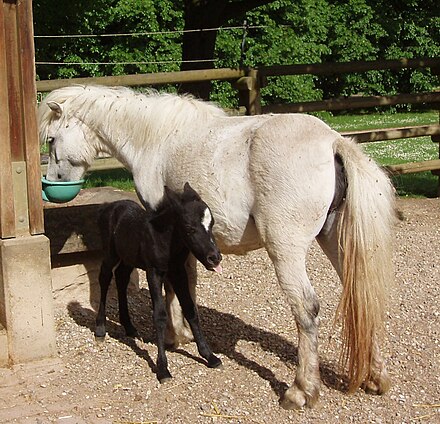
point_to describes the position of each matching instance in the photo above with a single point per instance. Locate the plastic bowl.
(60, 191)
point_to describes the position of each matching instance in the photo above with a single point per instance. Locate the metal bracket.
(19, 182)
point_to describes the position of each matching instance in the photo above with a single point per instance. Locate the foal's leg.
(179, 281)
(105, 277)
(160, 321)
(178, 329)
(378, 381)
(122, 277)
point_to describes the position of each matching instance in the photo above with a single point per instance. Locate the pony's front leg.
(305, 307)
(178, 330)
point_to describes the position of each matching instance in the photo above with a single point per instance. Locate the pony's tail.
(365, 243)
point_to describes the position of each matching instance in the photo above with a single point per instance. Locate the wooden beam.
(393, 133)
(28, 96)
(354, 102)
(7, 211)
(158, 78)
(348, 67)
(411, 167)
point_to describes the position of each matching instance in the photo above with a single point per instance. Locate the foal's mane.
(150, 115)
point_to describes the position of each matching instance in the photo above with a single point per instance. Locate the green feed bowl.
(60, 191)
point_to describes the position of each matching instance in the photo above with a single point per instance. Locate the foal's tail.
(365, 241)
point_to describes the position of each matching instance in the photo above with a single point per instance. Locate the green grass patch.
(392, 152)
(379, 120)
(117, 178)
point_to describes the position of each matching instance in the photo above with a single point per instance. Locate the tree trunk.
(199, 44)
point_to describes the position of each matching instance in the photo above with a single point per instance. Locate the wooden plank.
(158, 78)
(411, 167)
(7, 212)
(72, 227)
(393, 133)
(28, 99)
(353, 102)
(13, 78)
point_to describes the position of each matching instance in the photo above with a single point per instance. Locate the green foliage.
(65, 17)
(281, 32)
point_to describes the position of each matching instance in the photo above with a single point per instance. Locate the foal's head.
(194, 223)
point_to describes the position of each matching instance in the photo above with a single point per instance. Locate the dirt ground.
(248, 324)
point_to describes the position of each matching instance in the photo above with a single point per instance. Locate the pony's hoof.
(379, 387)
(295, 398)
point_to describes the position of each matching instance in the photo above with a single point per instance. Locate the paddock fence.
(249, 82)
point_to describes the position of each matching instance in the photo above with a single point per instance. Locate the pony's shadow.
(222, 330)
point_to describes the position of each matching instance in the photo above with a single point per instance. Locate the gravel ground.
(248, 324)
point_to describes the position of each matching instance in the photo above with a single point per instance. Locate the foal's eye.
(190, 230)
(50, 140)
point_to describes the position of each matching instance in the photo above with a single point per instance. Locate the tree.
(202, 17)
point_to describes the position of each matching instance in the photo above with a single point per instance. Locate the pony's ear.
(56, 108)
(189, 193)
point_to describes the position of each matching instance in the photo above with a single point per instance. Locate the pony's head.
(72, 144)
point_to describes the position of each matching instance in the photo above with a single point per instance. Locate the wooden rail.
(353, 102)
(393, 133)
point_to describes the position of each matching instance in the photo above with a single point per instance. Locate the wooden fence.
(249, 82)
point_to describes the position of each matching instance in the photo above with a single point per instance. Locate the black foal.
(159, 242)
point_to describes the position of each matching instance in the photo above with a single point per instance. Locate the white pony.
(272, 181)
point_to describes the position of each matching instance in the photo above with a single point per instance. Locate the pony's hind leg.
(377, 381)
(122, 277)
(304, 304)
(287, 242)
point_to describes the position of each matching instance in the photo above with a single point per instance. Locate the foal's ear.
(56, 108)
(172, 197)
(189, 193)
(162, 221)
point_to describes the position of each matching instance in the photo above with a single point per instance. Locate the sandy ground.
(248, 324)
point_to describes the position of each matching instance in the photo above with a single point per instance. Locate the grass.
(118, 178)
(392, 152)
(421, 184)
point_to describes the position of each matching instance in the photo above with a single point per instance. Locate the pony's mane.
(147, 114)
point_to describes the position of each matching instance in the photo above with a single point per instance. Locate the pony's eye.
(50, 140)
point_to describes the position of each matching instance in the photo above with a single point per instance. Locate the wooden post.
(249, 92)
(436, 138)
(26, 312)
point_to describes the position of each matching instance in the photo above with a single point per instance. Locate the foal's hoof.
(132, 333)
(163, 378)
(214, 362)
(99, 339)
